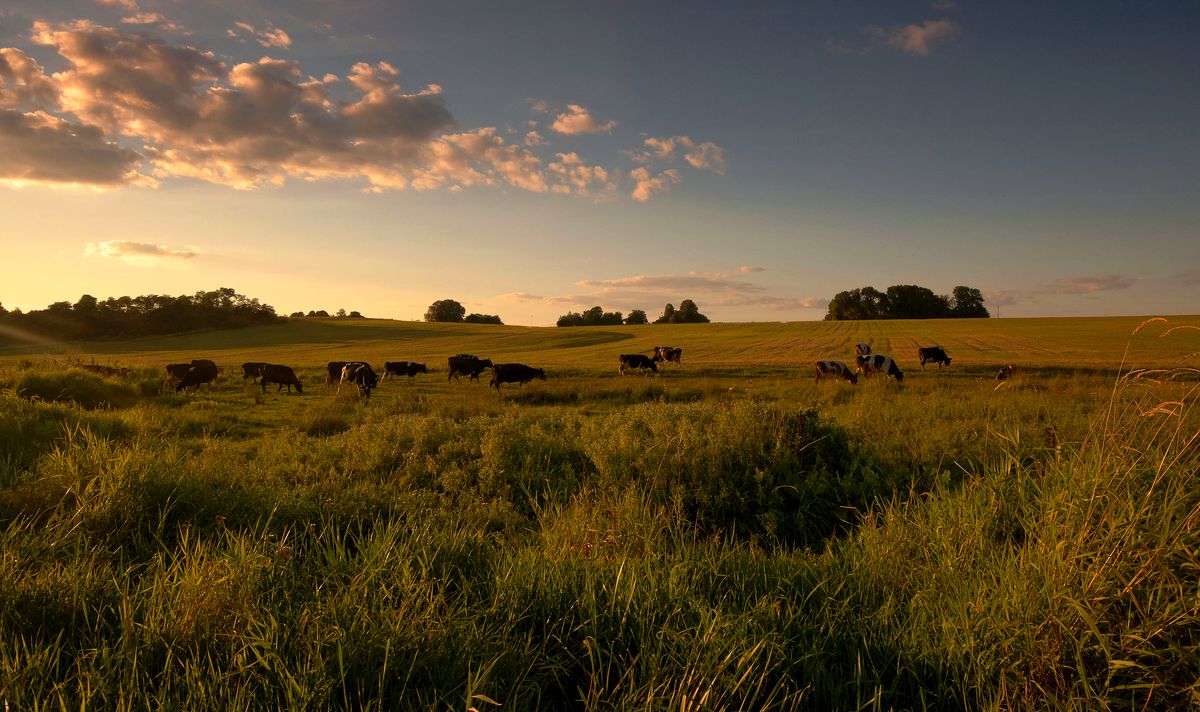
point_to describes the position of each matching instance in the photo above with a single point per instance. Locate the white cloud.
(269, 36)
(141, 254)
(708, 289)
(577, 120)
(915, 39)
(1089, 285)
(648, 185)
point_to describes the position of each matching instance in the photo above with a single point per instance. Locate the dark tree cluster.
(340, 314)
(906, 301)
(687, 313)
(147, 315)
(450, 310)
(592, 317)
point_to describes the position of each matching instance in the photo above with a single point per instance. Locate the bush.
(74, 385)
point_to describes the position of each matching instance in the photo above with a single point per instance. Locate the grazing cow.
(878, 363)
(283, 375)
(933, 354)
(636, 361)
(1006, 372)
(862, 350)
(203, 372)
(467, 365)
(402, 368)
(250, 370)
(835, 369)
(333, 371)
(517, 373)
(176, 371)
(361, 375)
(668, 353)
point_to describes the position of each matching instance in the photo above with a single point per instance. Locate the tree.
(341, 313)
(908, 301)
(482, 319)
(296, 315)
(637, 316)
(967, 303)
(688, 313)
(356, 315)
(668, 315)
(445, 310)
(596, 316)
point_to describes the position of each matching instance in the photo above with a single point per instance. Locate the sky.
(533, 158)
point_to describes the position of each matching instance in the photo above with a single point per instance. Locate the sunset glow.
(536, 159)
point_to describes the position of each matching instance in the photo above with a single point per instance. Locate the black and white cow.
(402, 368)
(835, 369)
(361, 375)
(670, 354)
(636, 361)
(862, 350)
(517, 373)
(878, 363)
(1006, 372)
(933, 354)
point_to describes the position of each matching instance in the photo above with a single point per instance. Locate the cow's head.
(420, 368)
(852, 377)
(541, 374)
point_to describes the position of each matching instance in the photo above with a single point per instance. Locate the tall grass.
(810, 551)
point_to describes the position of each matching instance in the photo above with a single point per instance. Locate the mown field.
(728, 535)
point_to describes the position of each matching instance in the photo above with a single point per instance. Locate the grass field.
(728, 535)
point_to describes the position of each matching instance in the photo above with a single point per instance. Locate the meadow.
(727, 535)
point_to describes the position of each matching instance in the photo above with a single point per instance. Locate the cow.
(250, 370)
(517, 373)
(402, 368)
(835, 369)
(202, 372)
(361, 375)
(668, 353)
(933, 354)
(636, 361)
(862, 350)
(283, 375)
(467, 365)
(1006, 372)
(878, 363)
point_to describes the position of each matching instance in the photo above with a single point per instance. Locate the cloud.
(130, 5)
(576, 120)
(648, 185)
(915, 39)
(131, 107)
(1088, 285)
(23, 82)
(270, 36)
(710, 289)
(944, 5)
(1004, 297)
(1188, 279)
(572, 175)
(142, 254)
(705, 156)
(38, 148)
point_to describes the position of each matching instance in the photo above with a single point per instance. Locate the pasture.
(727, 535)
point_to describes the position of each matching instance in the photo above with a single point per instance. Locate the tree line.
(450, 311)
(906, 301)
(146, 315)
(687, 313)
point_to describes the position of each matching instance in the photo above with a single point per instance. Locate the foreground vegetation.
(727, 536)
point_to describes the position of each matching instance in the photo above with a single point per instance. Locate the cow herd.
(870, 363)
(362, 376)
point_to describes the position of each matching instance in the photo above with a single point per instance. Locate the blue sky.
(755, 157)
